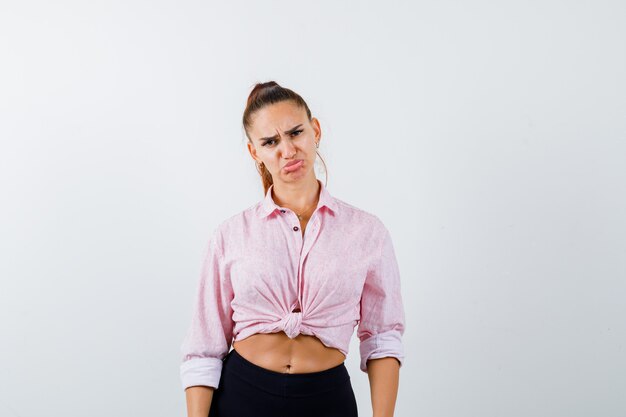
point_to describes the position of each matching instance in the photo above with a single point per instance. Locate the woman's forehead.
(278, 117)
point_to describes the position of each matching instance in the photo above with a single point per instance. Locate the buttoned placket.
(305, 243)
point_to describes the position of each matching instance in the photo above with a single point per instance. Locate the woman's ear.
(317, 128)
(252, 152)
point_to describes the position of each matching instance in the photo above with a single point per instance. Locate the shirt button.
(282, 211)
(296, 228)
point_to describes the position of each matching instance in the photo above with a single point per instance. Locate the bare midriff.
(277, 352)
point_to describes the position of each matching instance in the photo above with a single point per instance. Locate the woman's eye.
(295, 132)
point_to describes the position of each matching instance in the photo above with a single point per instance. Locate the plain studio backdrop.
(490, 138)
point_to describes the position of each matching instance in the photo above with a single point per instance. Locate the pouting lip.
(290, 163)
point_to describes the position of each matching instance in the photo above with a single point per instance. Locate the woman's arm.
(210, 333)
(381, 327)
(199, 401)
(384, 376)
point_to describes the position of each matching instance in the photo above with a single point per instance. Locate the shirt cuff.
(381, 345)
(201, 371)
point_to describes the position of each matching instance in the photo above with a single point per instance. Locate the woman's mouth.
(293, 166)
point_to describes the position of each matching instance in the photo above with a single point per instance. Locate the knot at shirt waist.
(291, 324)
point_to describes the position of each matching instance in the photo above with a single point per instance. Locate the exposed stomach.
(277, 352)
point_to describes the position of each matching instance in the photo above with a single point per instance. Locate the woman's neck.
(301, 198)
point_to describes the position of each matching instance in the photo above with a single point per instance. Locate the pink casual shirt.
(259, 267)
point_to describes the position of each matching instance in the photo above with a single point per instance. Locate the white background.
(488, 136)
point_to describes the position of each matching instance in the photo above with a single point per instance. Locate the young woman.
(286, 281)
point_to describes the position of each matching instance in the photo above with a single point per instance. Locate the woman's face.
(281, 134)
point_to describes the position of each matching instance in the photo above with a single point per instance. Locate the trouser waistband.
(278, 383)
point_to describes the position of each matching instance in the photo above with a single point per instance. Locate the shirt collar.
(268, 206)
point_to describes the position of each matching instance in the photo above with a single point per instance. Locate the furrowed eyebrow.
(287, 132)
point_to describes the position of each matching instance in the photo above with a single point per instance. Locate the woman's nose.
(288, 148)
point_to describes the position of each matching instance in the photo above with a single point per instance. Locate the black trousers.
(248, 390)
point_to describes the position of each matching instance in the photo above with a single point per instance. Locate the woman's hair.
(264, 94)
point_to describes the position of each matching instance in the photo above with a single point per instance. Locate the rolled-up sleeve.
(209, 336)
(382, 322)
